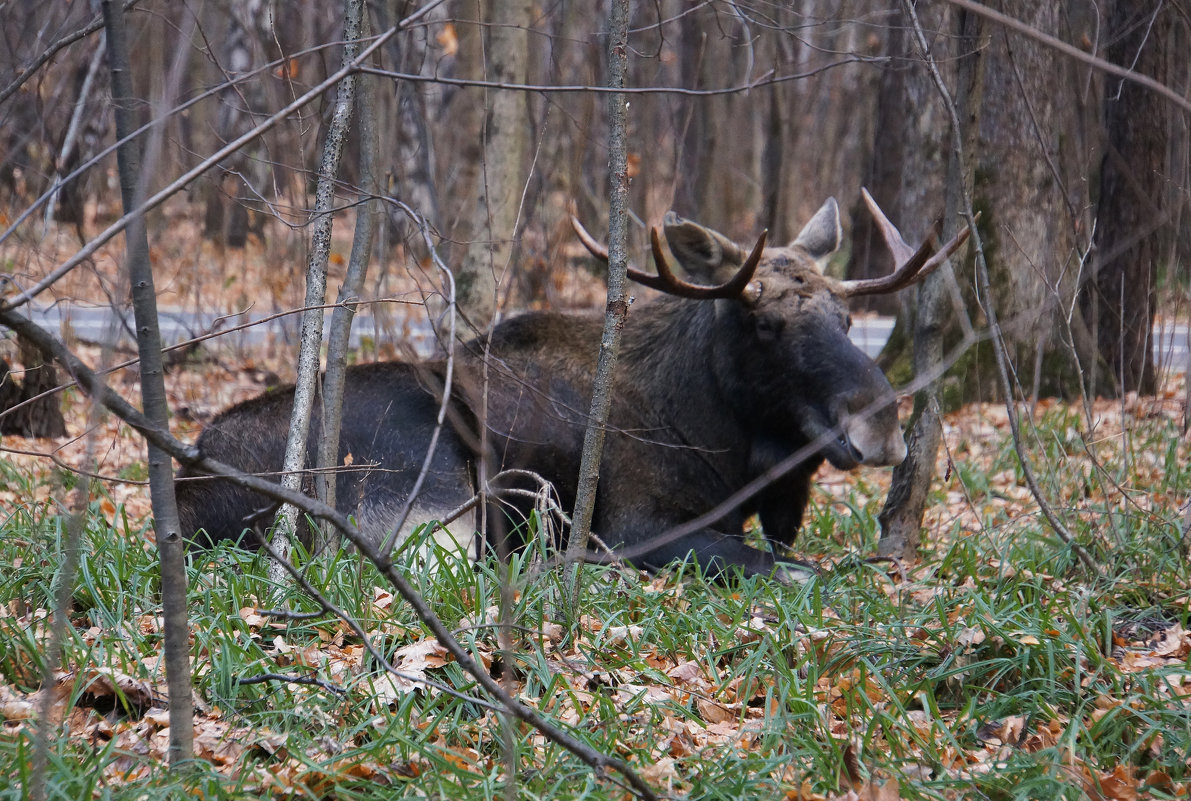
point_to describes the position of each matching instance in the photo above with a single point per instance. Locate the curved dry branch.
(1074, 52)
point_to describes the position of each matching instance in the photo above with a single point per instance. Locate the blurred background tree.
(744, 117)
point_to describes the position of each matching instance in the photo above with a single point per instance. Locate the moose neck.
(671, 353)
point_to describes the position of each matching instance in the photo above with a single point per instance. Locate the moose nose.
(869, 421)
(875, 437)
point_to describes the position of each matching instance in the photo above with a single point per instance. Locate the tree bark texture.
(901, 516)
(1133, 216)
(1030, 153)
(1032, 202)
(170, 545)
(492, 238)
(616, 309)
(310, 347)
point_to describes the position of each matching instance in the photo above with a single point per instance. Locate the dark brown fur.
(708, 395)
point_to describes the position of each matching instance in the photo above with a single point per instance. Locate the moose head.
(785, 323)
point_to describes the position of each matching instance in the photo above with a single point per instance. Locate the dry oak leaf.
(1116, 785)
(252, 618)
(661, 771)
(15, 706)
(1174, 642)
(412, 661)
(112, 683)
(686, 673)
(421, 655)
(714, 712)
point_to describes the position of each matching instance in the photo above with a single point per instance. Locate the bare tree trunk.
(1132, 218)
(697, 130)
(615, 312)
(349, 293)
(869, 257)
(316, 288)
(1030, 145)
(901, 517)
(70, 194)
(226, 216)
(170, 545)
(493, 235)
(417, 104)
(25, 408)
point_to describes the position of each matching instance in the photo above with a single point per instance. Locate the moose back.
(718, 381)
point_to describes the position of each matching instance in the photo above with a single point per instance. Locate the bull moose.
(719, 380)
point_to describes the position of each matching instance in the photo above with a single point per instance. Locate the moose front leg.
(780, 505)
(721, 555)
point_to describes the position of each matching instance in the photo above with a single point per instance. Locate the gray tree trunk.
(901, 517)
(316, 289)
(615, 311)
(349, 294)
(1029, 157)
(493, 235)
(1030, 163)
(1133, 216)
(241, 176)
(412, 169)
(170, 544)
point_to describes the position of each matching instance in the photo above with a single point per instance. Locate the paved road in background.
(1171, 341)
(409, 326)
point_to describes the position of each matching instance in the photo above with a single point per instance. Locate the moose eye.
(768, 327)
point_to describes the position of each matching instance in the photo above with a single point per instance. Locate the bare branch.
(767, 79)
(1074, 52)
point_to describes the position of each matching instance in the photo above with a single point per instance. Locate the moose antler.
(666, 281)
(913, 265)
(589, 241)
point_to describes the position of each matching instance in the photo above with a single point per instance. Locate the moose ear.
(822, 235)
(707, 256)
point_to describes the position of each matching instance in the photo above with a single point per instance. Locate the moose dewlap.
(719, 380)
